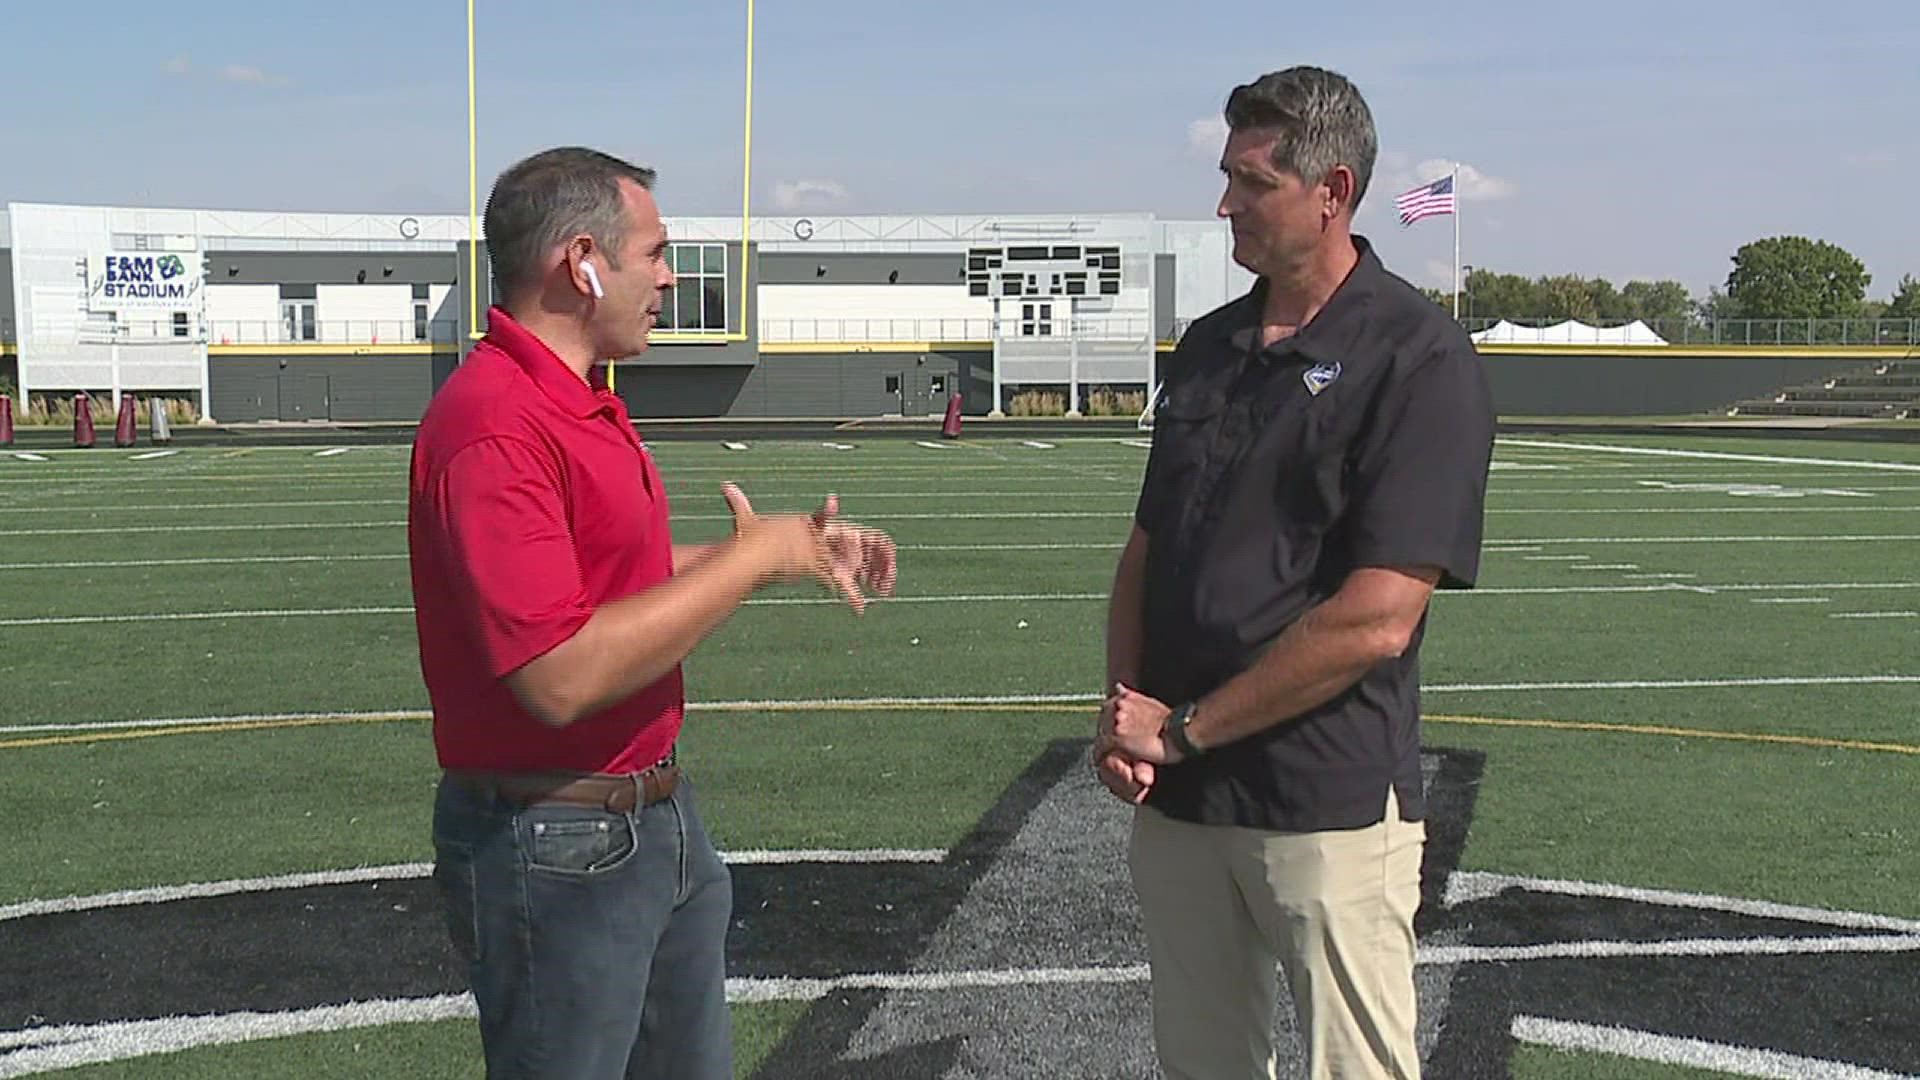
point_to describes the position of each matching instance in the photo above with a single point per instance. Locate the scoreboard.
(1044, 270)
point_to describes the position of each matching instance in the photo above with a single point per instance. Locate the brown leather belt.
(619, 793)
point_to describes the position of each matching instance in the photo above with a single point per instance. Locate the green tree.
(1499, 296)
(1656, 301)
(1569, 296)
(1792, 277)
(1906, 300)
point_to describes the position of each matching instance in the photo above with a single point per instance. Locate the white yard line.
(959, 598)
(939, 702)
(1714, 455)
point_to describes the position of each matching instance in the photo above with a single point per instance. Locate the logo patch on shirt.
(1320, 376)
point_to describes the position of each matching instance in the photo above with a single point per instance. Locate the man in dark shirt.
(1319, 465)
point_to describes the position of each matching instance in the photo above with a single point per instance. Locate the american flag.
(1427, 200)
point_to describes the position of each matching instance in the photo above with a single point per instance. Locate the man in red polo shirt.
(553, 612)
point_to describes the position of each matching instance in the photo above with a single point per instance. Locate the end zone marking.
(1689, 1053)
(1468, 885)
(162, 894)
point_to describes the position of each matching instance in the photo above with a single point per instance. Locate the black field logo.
(1016, 954)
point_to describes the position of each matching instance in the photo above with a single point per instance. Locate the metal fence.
(1757, 331)
(1729, 331)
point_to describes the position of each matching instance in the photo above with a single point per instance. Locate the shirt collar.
(550, 373)
(1333, 330)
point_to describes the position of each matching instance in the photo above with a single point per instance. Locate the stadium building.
(359, 317)
(353, 318)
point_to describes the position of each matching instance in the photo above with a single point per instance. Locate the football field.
(1673, 740)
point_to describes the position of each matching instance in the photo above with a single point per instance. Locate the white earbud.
(593, 278)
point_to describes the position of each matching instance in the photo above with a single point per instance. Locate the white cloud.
(1475, 186)
(1206, 135)
(1438, 274)
(1393, 175)
(809, 194)
(179, 65)
(252, 76)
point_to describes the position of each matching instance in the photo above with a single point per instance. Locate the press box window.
(698, 302)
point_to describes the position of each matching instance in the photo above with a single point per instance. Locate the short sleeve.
(1149, 508)
(499, 516)
(1420, 481)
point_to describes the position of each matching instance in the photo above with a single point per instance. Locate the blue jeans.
(595, 940)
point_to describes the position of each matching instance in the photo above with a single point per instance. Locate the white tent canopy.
(1569, 332)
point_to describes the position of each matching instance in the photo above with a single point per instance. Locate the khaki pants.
(1335, 909)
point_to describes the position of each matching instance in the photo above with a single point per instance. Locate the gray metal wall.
(863, 268)
(1636, 385)
(294, 388)
(6, 293)
(854, 384)
(786, 385)
(332, 268)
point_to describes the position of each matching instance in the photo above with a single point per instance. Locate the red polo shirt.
(532, 501)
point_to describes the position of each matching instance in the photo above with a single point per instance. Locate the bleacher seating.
(1883, 390)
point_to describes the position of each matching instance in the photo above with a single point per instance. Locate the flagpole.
(1456, 241)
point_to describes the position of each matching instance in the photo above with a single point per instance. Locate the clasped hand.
(1131, 743)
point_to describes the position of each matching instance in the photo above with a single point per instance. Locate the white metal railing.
(1084, 328)
(330, 331)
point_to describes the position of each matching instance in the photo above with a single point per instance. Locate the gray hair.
(1321, 119)
(553, 195)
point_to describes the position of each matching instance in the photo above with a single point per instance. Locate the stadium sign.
(121, 281)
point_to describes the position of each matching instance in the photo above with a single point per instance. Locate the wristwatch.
(1177, 730)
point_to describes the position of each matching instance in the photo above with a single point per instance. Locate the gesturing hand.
(848, 559)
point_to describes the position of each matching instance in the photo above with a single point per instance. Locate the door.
(916, 392)
(304, 395)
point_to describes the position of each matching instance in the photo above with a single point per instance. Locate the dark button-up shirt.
(1362, 440)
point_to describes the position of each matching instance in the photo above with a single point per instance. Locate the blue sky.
(1632, 139)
